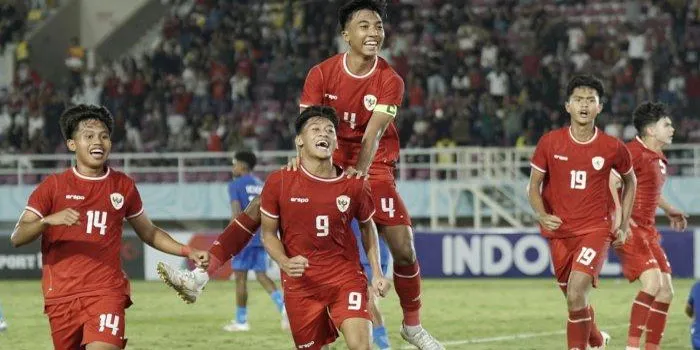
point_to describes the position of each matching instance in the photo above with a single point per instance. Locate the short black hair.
(346, 11)
(588, 81)
(71, 118)
(246, 157)
(648, 113)
(315, 111)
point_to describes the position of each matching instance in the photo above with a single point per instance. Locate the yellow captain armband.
(388, 109)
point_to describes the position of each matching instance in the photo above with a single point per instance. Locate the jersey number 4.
(97, 219)
(578, 179)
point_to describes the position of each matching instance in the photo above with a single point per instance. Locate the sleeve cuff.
(34, 211)
(268, 214)
(135, 215)
(538, 168)
(369, 217)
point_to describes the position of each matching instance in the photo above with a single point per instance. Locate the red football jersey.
(354, 98)
(314, 216)
(650, 168)
(83, 260)
(576, 183)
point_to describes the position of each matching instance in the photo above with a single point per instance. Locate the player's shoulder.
(554, 135)
(120, 176)
(330, 63)
(279, 175)
(387, 70)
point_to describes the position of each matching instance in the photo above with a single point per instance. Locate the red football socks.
(407, 285)
(656, 322)
(638, 318)
(595, 339)
(578, 329)
(230, 242)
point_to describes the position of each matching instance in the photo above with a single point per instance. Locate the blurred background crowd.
(227, 74)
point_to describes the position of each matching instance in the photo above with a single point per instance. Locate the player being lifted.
(79, 215)
(241, 190)
(642, 257)
(569, 193)
(367, 92)
(313, 209)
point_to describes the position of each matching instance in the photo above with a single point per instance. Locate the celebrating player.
(79, 214)
(642, 257)
(362, 87)
(570, 167)
(313, 209)
(367, 92)
(241, 191)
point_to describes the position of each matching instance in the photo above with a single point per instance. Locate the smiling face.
(364, 33)
(583, 105)
(317, 139)
(91, 143)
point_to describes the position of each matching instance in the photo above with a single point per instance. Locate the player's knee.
(358, 343)
(651, 286)
(240, 277)
(665, 293)
(261, 276)
(575, 299)
(404, 253)
(253, 209)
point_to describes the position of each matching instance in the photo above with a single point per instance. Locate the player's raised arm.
(157, 238)
(383, 114)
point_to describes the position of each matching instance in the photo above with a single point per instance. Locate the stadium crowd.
(227, 75)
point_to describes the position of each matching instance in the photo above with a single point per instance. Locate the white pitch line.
(511, 337)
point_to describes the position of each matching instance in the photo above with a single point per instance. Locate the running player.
(642, 257)
(79, 215)
(569, 193)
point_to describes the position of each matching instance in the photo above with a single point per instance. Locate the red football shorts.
(390, 209)
(585, 253)
(642, 252)
(314, 319)
(84, 320)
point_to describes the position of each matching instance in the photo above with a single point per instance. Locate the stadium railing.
(475, 164)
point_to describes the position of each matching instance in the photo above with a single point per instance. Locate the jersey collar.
(595, 135)
(314, 177)
(347, 70)
(90, 178)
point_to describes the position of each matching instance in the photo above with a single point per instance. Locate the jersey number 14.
(97, 220)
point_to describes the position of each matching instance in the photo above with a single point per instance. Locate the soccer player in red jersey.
(642, 257)
(79, 215)
(569, 193)
(367, 93)
(324, 284)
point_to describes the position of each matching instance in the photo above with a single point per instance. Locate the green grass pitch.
(475, 314)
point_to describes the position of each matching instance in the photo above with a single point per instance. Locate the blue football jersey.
(243, 190)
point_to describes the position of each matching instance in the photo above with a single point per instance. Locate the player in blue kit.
(692, 309)
(241, 190)
(380, 338)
